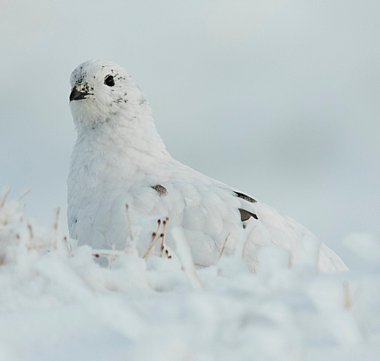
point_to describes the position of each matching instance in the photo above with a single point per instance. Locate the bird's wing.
(215, 217)
(282, 231)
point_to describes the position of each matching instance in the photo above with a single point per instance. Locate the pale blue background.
(278, 98)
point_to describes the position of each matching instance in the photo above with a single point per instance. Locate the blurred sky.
(277, 98)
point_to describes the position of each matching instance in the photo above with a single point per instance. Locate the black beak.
(77, 95)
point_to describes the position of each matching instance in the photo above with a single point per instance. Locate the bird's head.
(103, 92)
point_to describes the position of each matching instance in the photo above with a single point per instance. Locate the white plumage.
(120, 159)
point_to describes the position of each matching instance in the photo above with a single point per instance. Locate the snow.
(58, 303)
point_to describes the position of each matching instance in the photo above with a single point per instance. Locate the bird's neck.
(124, 135)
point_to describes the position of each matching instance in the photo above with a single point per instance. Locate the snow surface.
(57, 303)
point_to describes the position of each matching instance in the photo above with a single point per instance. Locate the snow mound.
(57, 303)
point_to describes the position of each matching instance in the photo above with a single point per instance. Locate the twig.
(23, 195)
(4, 198)
(110, 254)
(162, 237)
(153, 240)
(56, 226)
(223, 246)
(151, 245)
(347, 296)
(30, 230)
(129, 224)
(68, 245)
(56, 219)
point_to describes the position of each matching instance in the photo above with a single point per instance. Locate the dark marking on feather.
(161, 190)
(245, 197)
(245, 215)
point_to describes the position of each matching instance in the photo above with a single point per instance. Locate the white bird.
(119, 158)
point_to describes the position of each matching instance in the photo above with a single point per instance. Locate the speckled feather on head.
(119, 158)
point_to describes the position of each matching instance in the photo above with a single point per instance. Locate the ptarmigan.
(119, 159)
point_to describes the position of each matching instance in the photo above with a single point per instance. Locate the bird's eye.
(108, 80)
